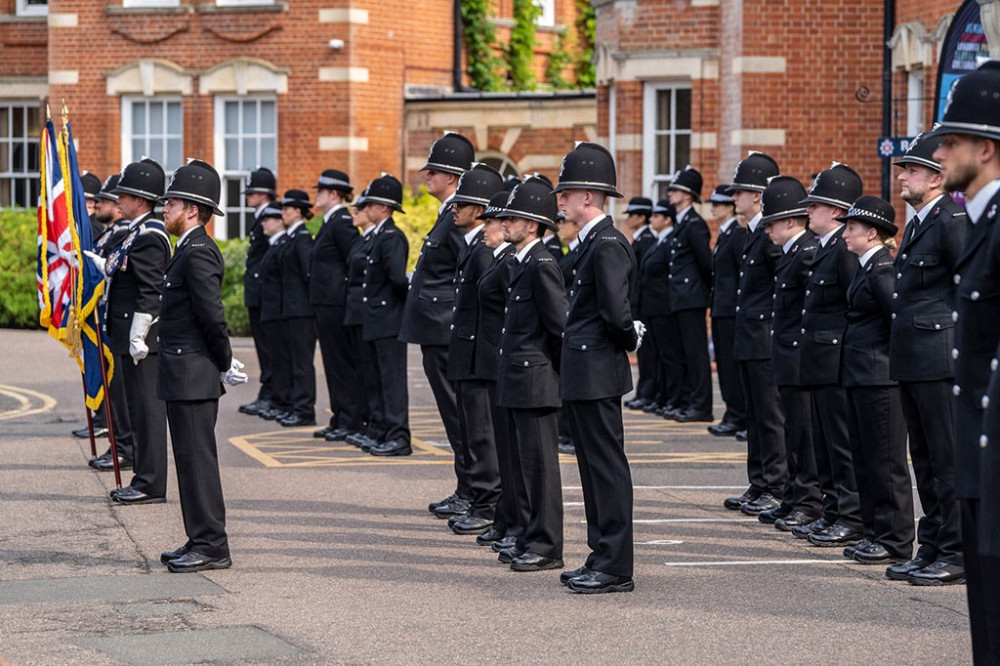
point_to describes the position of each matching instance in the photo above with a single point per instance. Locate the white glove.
(233, 376)
(98, 260)
(640, 330)
(137, 348)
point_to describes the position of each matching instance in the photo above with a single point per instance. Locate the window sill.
(268, 8)
(557, 29)
(28, 18)
(120, 10)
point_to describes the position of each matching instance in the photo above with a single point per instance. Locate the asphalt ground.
(337, 560)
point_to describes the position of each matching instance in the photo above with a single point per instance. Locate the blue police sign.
(894, 146)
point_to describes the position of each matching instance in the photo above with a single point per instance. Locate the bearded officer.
(595, 368)
(195, 360)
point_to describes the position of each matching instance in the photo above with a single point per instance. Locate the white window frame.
(547, 18)
(151, 3)
(914, 102)
(22, 8)
(222, 230)
(237, 3)
(650, 179)
(126, 127)
(26, 140)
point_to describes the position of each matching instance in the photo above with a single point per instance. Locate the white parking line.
(671, 487)
(741, 563)
(692, 520)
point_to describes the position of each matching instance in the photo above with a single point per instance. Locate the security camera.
(336, 44)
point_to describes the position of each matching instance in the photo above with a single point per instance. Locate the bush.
(234, 254)
(18, 265)
(421, 213)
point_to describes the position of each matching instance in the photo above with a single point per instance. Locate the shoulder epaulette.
(543, 259)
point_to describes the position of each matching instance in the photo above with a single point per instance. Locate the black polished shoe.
(174, 554)
(103, 464)
(803, 531)
(652, 408)
(321, 433)
(503, 544)
(574, 573)
(297, 420)
(692, 416)
(850, 550)
(723, 429)
(507, 555)
(456, 507)
(129, 495)
(638, 403)
(741, 436)
(567, 448)
(457, 517)
(669, 413)
(749, 495)
(489, 537)
(84, 433)
(834, 535)
(393, 448)
(254, 408)
(876, 553)
(794, 519)
(765, 502)
(337, 434)
(535, 562)
(596, 582)
(902, 570)
(273, 414)
(357, 439)
(939, 573)
(368, 444)
(432, 507)
(771, 516)
(192, 561)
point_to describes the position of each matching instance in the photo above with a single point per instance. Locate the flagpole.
(107, 399)
(90, 418)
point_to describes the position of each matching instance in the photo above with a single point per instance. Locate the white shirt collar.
(640, 231)
(725, 225)
(755, 222)
(472, 234)
(141, 218)
(328, 214)
(662, 236)
(823, 240)
(368, 231)
(378, 227)
(274, 239)
(682, 214)
(976, 206)
(926, 210)
(500, 248)
(791, 241)
(572, 245)
(295, 226)
(867, 256)
(261, 207)
(186, 234)
(524, 251)
(589, 226)
(445, 203)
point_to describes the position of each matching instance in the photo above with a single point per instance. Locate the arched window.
(500, 162)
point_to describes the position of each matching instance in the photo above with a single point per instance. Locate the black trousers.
(666, 340)
(607, 483)
(148, 416)
(802, 489)
(389, 358)
(435, 358)
(927, 408)
(833, 456)
(119, 412)
(694, 351)
(371, 413)
(648, 385)
(507, 518)
(767, 468)
(878, 451)
(263, 354)
(196, 457)
(476, 413)
(301, 333)
(723, 337)
(534, 436)
(982, 587)
(274, 334)
(340, 367)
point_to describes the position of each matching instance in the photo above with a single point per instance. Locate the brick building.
(299, 86)
(704, 81)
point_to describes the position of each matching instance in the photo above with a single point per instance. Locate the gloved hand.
(137, 348)
(233, 376)
(640, 331)
(98, 260)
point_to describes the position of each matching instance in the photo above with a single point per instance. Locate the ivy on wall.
(484, 67)
(584, 25)
(521, 49)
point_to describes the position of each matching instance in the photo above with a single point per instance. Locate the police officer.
(384, 293)
(823, 324)
(595, 370)
(260, 191)
(428, 315)
(91, 186)
(725, 274)
(970, 162)
(528, 373)
(475, 188)
(647, 387)
(136, 266)
(922, 322)
(195, 359)
(874, 414)
(690, 280)
(784, 220)
(273, 325)
(767, 468)
(328, 296)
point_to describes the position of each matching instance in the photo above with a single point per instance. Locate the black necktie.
(912, 229)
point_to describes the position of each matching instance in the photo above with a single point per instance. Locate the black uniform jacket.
(652, 298)
(328, 271)
(472, 263)
(599, 330)
(255, 254)
(357, 269)
(923, 331)
(531, 337)
(385, 283)
(270, 280)
(754, 297)
(555, 247)
(194, 343)
(427, 314)
(135, 286)
(492, 299)
(824, 319)
(789, 292)
(866, 340)
(690, 264)
(726, 258)
(296, 260)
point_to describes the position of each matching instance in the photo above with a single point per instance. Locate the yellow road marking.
(24, 398)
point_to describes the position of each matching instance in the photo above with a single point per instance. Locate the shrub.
(234, 254)
(18, 264)
(421, 213)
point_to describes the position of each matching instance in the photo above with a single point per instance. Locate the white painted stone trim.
(343, 74)
(759, 65)
(757, 137)
(63, 20)
(356, 16)
(63, 77)
(358, 144)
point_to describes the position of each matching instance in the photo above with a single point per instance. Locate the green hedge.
(19, 243)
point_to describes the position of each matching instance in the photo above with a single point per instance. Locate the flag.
(69, 286)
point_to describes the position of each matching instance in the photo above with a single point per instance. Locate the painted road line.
(651, 521)
(742, 563)
(25, 399)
